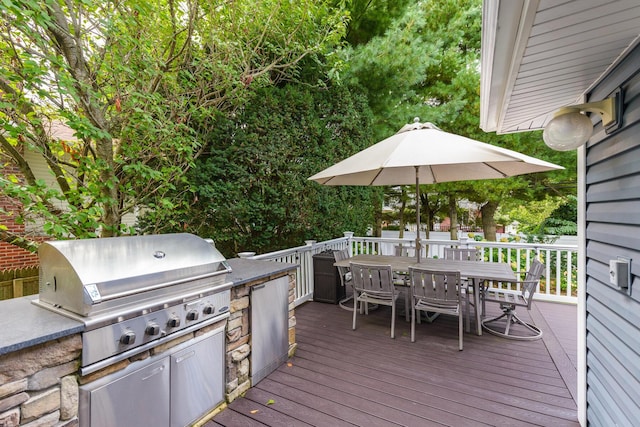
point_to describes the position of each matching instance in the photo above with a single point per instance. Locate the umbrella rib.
(376, 177)
(433, 174)
(504, 175)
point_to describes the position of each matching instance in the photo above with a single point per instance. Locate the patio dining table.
(476, 271)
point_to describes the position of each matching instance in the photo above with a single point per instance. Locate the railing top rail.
(332, 241)
(551, 246)
(521, 245)
(281, 253)
(327, 243)
(299, 249)
(401, 240)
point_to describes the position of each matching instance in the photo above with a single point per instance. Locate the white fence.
(559, 282)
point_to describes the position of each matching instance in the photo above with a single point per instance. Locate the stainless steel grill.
(133, 293)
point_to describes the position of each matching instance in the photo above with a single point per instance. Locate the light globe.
(567, 131)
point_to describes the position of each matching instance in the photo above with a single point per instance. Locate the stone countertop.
(24, 324)
(248, 270)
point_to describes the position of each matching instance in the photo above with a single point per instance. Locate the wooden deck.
(341, 377)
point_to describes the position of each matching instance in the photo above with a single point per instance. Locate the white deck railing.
(303, 257)
(559, 282)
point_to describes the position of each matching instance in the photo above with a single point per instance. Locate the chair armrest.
(523, 285)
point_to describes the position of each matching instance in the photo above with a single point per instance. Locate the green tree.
(369, 18)
(397, 198)
(550, 217)
(139, 82)
(250, 186)
(426, 64)
(563, 220)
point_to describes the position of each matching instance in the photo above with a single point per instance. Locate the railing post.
(349, 236)
(246, 255)
(464, 242)
(308, 265)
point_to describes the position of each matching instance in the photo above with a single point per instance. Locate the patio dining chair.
(401, 250)
(436, 292)
(461, 254)
(464, 254)
(509, 300)
(373, 284)
(345, 277)
(402, 279)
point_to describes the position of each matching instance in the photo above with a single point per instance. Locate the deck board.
(287, 401)
(343, 377)
(471, 360)
(310, 400)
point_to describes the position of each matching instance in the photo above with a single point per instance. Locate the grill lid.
(80, 274)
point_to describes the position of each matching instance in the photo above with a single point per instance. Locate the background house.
(538, 56)
(18, 266)
(11, 256)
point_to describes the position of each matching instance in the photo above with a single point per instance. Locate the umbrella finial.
(416, 125)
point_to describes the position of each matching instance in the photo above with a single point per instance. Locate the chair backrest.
(461, 254)
(441, 288)
(373, 279)
(531, 280)
(340, 256)
(400, 250)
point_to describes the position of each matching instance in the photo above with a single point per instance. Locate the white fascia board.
(488, 107)
(506, 25)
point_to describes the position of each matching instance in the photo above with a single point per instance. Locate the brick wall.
(12, 256)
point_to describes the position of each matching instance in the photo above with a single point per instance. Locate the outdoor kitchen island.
(41, 352)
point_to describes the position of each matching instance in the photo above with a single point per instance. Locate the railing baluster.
(569, 272)
(558, 273)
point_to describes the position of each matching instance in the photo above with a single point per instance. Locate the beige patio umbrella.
(421, 153)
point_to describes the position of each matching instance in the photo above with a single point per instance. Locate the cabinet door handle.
(185, 357)
(154, 372)
(256, 287)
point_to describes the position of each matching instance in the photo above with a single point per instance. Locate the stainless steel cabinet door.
(197, 379)
(140, 398)
(269, 327)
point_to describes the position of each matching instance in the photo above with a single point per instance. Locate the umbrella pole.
(417, 215)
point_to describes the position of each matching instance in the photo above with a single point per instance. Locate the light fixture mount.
(570, 128)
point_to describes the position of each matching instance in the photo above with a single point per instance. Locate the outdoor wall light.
(570, 128)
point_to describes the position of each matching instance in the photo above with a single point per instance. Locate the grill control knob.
(152, 329)
(173, 322)
(128, 338)
(193, 315)
(208, 309)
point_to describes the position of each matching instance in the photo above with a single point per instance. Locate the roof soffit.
(538, 56)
